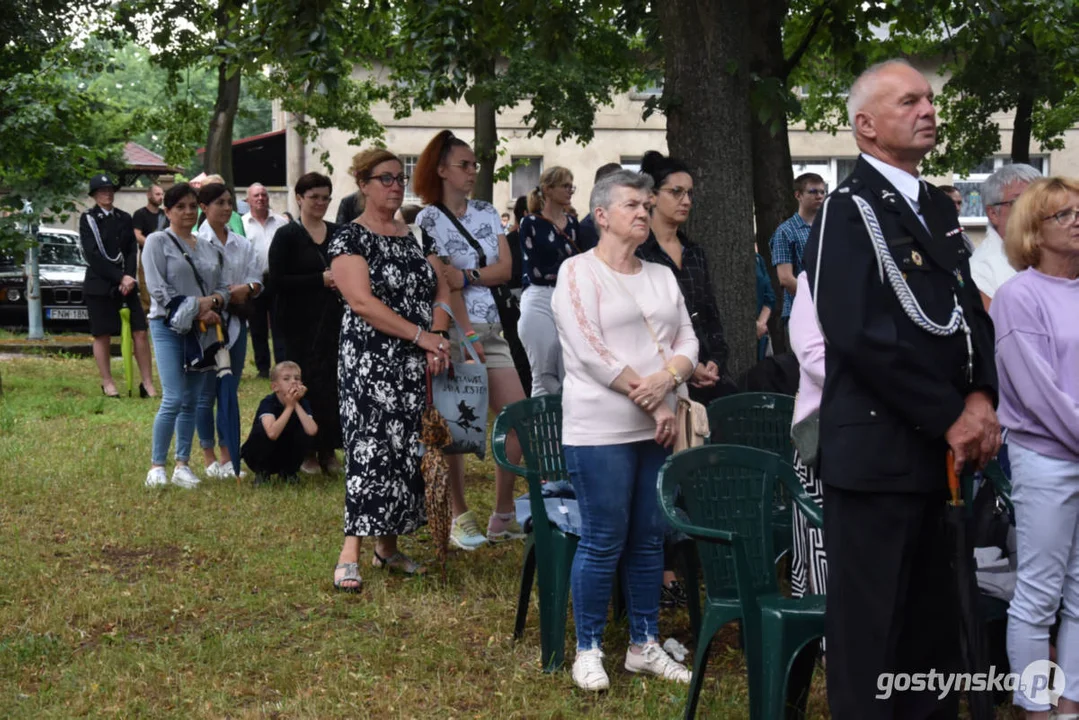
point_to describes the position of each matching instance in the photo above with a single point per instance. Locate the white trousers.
(539, 336)
(1045, 492)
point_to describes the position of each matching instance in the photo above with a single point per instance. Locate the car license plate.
(66, 314)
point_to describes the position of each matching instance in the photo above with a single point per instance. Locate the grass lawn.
(117, 601)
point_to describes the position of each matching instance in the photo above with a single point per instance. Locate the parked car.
(61, 267)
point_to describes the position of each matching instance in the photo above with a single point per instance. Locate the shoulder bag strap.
(465, 233)
(464, 340)
(183, 251)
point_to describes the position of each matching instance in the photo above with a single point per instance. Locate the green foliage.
(563, 58)
(56, 135)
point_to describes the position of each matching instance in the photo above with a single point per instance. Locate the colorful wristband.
(472, 336)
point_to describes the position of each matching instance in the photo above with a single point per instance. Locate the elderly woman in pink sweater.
(628, 347)
(1038, 366)
(808, 568)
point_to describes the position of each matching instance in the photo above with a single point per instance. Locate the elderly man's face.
(900, 117)
(998, 213)
(258, 198)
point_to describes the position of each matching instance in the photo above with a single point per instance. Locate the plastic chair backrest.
(756, 420)
(726, 495)
(538, 424)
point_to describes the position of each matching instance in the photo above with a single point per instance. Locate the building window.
(525, 177)
(970, 187)
(632, 163)
(409, 161)
(833, 170)
(646, 93)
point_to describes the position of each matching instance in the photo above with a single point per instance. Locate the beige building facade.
(622, 136)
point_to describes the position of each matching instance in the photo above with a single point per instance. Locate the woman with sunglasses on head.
(445, 175)
(548, 236)
(1037, 354)
(309, 311)
(391, 335)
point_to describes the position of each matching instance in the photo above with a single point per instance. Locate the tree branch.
(796, 57)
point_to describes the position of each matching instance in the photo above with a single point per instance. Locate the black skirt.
(104, 312)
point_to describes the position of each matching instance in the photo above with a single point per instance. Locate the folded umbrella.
(971, 628)
(127, 349)
(228, 404)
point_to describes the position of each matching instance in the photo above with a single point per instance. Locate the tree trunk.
(486, 145)
(1022, 128)
(706, 92)
(773, 176)
(218, 158)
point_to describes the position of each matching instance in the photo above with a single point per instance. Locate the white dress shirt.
(261, 236)
(908, 185)
(989, 266)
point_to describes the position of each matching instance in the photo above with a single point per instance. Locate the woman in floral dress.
(389, 335)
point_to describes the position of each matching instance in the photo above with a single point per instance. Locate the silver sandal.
(352, 574)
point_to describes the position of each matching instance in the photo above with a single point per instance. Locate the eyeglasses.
(1065, 218)
(678, 192)
(1002, 204)
(388, 180)
(467, 165)
(569, 186)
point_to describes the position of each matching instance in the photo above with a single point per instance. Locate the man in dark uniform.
(108, 242)
(902, 386)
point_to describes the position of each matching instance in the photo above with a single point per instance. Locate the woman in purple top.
(1038, 364)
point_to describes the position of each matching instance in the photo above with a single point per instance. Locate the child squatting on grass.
(281, 433)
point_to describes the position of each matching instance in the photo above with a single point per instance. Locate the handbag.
(460, 396)
(805, 434)
(691, 427)
(200, 347)
(509, 307)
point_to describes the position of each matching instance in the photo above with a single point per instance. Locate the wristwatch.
(473, 276)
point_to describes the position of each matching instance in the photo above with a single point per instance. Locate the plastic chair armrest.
(813, 512)
(498, 446)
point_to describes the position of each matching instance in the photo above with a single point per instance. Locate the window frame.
(979, 178)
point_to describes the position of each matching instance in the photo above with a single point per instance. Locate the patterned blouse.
(544, 247)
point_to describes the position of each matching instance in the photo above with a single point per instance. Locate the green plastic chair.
(763, 421)
(727, 510)
(548, 550)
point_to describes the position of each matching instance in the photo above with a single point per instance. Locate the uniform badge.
(916, 257)
(959, 277)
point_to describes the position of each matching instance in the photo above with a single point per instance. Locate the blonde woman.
(548, 236)
(1037, 352)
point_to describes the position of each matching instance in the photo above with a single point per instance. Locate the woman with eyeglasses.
(476, 258)
(668, 244)
(392, 333)
(548, 236)
(309, 311)
(1037, 354)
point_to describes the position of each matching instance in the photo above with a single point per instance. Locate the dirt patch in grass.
(128, 564)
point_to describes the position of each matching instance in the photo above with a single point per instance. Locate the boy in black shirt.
(281, 433)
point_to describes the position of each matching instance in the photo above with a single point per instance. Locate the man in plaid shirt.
(789, 241)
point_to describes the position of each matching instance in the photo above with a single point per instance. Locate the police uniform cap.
(101, 181)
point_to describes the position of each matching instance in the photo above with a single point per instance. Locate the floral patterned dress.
(382, 389)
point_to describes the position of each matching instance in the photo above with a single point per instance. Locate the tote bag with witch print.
(460, 396)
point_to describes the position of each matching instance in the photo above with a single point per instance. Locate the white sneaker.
(588, 671)
(222, 471)
(465, 532)
(653, 660)
(156, 478)
(183, 477)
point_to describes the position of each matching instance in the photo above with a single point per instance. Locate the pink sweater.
(598, 314)
(808, 345)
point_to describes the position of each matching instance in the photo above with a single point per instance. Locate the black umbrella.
(228, 404)
(971, 636)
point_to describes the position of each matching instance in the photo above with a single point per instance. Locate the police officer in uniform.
(903, 385)
(108, 242)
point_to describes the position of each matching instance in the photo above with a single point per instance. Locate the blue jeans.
(204, 413)
(179, 394)
(621, 528)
